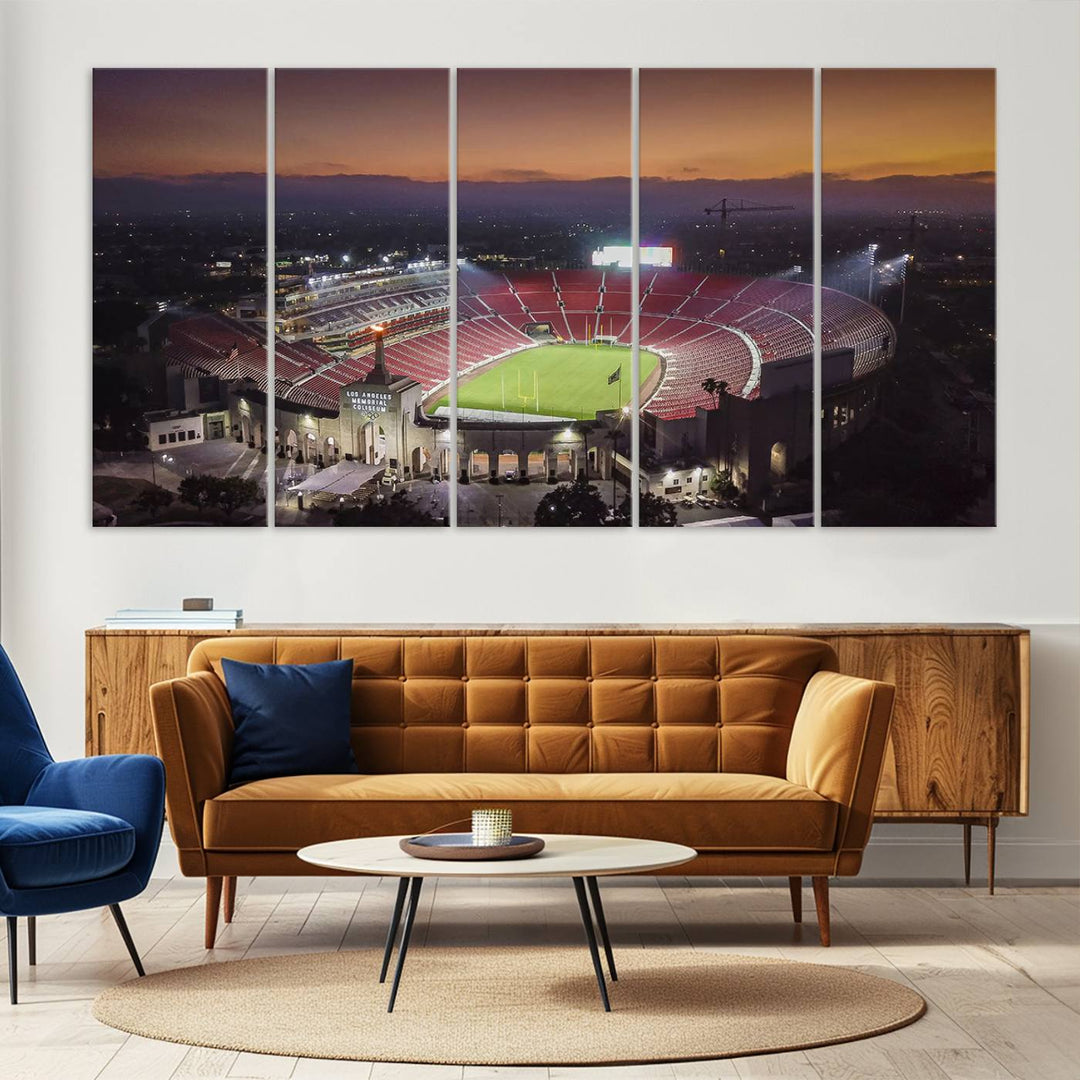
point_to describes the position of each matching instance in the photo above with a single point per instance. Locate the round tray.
(459, 847)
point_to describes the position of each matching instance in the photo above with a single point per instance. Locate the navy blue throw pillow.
(290, 719)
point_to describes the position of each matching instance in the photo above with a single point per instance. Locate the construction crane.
(740, 206)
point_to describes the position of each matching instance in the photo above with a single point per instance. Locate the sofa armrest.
(193, 728)
(128, 786)
(837, 749)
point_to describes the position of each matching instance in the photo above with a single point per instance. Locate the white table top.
(563, 856)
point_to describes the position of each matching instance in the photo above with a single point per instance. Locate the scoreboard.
(622, 257)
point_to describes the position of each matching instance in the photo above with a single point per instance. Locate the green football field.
(553, 380)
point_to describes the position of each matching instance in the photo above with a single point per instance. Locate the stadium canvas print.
(908, 227)
(179, 297)
(543, 320)
(522, 376)
(362, 297)
(727, 298)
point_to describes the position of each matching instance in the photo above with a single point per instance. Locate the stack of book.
(175, 619)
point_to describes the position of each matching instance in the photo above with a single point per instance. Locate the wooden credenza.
(959, 750)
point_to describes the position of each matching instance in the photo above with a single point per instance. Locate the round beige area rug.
(510, 1006)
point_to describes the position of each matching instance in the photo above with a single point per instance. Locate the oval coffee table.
(583, 858)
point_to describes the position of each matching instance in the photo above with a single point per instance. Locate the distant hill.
(973, 192)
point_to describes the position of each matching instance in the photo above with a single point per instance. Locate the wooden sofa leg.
(795, 885)
(821, 899)
(213, 906)
(229, 903)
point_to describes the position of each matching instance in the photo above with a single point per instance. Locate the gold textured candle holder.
(492, 827)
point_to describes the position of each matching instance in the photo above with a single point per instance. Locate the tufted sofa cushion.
(560, 704)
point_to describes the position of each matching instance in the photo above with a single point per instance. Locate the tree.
(398, 510)
(118, 405)
(653, 510)
(199, 491)
(575, 504)
(719, 390)
(153, 499)
(723, 485)
(232, 492)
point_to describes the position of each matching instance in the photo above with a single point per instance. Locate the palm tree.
(719, 389)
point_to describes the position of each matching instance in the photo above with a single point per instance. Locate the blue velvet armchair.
(73, 834)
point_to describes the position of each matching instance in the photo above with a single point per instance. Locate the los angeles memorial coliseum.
(363, 368)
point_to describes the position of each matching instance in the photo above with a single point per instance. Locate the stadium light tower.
(908, 260)
(871, 250)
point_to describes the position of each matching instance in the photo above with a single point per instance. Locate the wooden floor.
(1001, 974)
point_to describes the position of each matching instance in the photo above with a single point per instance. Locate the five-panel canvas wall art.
(465, 350)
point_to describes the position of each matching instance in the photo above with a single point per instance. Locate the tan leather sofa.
(750, 748)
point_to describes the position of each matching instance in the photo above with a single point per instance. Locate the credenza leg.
(795, 885)
(991, 851)
(967, 852)
(821, 900)
(213, 906)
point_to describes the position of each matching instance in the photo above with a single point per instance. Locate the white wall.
(60, 576)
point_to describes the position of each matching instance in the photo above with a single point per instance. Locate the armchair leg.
(821, 900)
(795, 885)
(13, 957)
(31, 938)
(121, 925)
(213, 906)
(229, 898)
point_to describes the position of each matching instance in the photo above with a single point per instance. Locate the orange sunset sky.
(520, 124)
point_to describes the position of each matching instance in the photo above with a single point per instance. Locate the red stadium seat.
(703, 326)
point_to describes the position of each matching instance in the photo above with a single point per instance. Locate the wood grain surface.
(960, 728)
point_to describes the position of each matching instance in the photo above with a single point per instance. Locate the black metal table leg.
(601, 923)
(590, 935)
(403, 948)
(395, 922)
(121, 925)
(31, 938)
